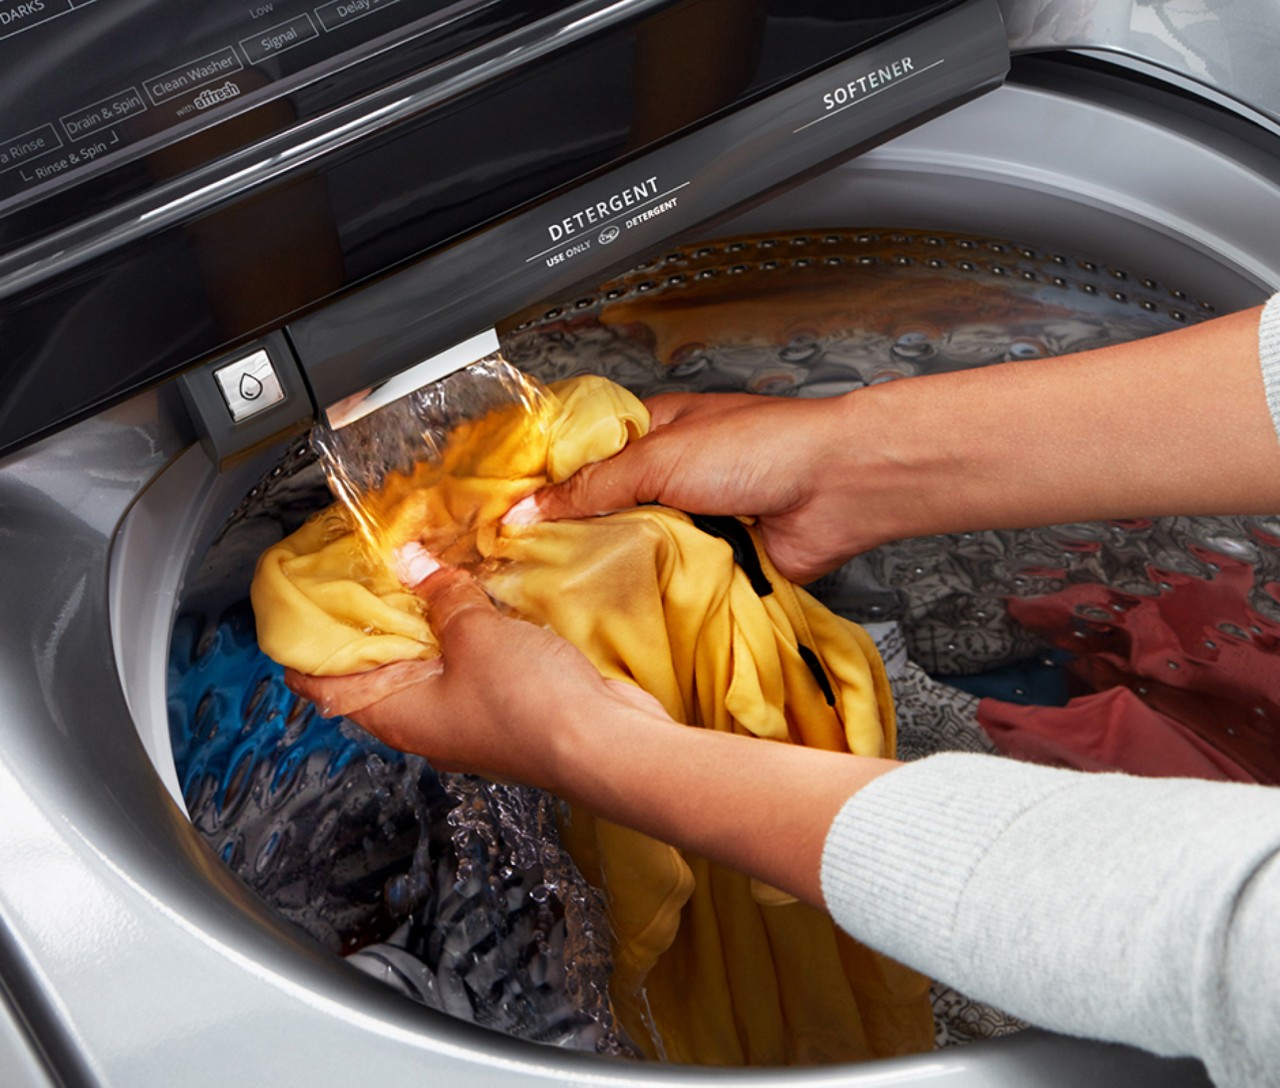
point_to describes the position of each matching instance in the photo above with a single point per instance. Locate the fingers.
(448, 591)
(668, 408)
(671, 458)
(413, 564)
(349, 695)
(619, 483)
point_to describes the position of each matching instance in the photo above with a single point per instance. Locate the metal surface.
(134, 955)
(249, 385)
(1077, 159)
(1221, 49)
(22, 1064)
(966, 167)
(226, 436)
(440, 365)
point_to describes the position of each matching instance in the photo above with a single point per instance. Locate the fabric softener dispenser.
(221, 222)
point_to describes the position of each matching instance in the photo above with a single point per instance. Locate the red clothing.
(1196, 656)
(1109, 731)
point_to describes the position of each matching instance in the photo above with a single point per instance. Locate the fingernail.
(525, 512)
(412, 563)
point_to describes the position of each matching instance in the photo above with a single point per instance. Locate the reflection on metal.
(1224, 49)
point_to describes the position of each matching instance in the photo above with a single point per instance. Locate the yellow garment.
(719, 970)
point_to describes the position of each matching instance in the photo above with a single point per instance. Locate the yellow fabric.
(710, 967)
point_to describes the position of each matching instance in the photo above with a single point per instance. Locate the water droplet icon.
(250, 387)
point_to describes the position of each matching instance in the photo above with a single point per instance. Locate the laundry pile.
(708, 966)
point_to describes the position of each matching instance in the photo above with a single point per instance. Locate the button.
(249, 385)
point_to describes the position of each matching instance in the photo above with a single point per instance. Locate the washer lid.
(1222, 50)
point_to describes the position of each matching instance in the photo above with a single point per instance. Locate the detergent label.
(602, 221)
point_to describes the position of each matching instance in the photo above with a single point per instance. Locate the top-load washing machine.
(217, 221)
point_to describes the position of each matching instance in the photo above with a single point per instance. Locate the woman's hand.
(775, 458)
(515, 701)
(504, 698)
(1174, 424)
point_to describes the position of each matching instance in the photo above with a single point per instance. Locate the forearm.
(1176, 424)
(757, 806)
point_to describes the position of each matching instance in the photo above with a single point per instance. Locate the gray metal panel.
(138, 960)
(1063, 159)
(20, 1063)
(1226, 49)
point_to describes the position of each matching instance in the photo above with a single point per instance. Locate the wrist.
(585, 749)
(894, 467)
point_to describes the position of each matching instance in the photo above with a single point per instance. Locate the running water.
(498, 926)
(373, 462)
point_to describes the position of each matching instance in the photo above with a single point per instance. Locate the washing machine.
(219, 221)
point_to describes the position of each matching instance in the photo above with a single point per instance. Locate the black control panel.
(89, 80)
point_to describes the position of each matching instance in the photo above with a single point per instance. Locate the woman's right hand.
(505, 697)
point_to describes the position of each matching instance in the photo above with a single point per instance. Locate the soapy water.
(455, 890)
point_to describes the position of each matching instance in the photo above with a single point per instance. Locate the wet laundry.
(709, 967)
(1111, 730)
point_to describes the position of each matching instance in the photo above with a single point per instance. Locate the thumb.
(450, 594)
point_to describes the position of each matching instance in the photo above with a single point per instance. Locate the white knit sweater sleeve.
(1269, 354)
(1137, 910)
(1144, 911)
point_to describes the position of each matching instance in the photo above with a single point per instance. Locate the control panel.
(85, 80)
